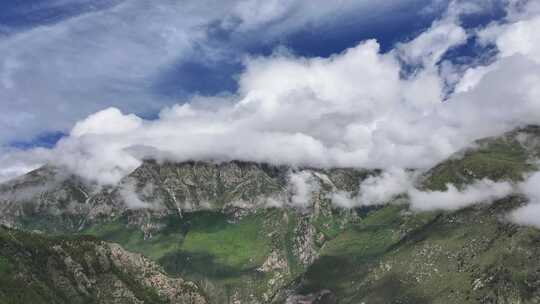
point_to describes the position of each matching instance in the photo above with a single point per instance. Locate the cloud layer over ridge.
(353, 109)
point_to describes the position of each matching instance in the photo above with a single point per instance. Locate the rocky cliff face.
(156, 190)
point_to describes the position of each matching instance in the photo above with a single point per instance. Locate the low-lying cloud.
(397, 186)
(131, 198)
(302, 186)
(376, 190)
(482, 191)
(530, 213)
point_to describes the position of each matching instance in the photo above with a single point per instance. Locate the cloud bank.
(358, 108)
(116, 53)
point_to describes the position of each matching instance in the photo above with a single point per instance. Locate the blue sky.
(63, 60)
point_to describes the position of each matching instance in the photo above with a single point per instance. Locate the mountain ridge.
(216, 225)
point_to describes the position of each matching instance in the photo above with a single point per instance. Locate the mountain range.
(244, 232)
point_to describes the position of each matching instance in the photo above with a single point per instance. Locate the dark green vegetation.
(211, 227)
(502, 158)
(210, 248)
(213, 246)
(470, 256)
(133, 239)
(39, 269)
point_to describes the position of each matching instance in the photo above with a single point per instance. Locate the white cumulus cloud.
(352, 109)
(54, 74)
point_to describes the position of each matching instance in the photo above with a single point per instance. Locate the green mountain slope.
(473, 255)
(39, 269)
(470, 256)
(217, 225)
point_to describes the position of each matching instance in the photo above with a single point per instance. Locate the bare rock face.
(275, 261)
(192, 186)
(52, 200)
(152, 190)
(304, 242)
(321, 297)
(176, 290)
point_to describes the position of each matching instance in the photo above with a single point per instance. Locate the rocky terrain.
(39, 269)
(248, 233)
(213, 223)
